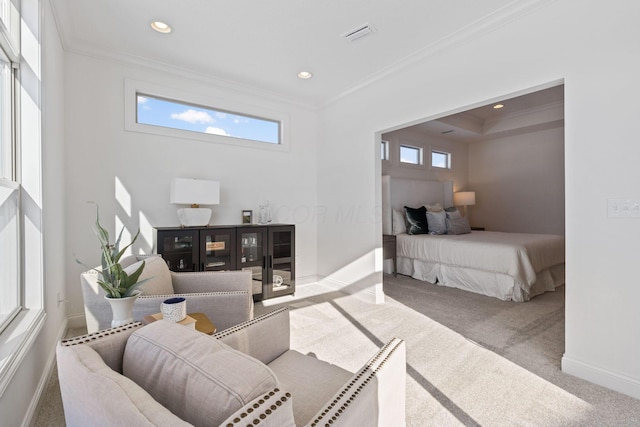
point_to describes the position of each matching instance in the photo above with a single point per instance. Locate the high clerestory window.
(173, 114)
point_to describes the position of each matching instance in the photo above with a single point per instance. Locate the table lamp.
(194, 192)
(464, 198)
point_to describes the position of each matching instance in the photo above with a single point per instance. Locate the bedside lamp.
(194, 192)
(464, 198)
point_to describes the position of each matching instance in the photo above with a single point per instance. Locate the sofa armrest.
(375, 395)
(211, 281)
(274, 409)
(224, 309)
(266, 337)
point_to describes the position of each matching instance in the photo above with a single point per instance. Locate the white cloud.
(193, 117)
(216, 131)
(221, 116)
(142, 99)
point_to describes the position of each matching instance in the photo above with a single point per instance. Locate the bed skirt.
(493, 284)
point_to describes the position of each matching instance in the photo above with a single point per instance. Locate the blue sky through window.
(176, 115)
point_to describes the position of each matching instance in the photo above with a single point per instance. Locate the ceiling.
(543, 109)
(262, 45)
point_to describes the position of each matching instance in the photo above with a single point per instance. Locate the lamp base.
(194, 217)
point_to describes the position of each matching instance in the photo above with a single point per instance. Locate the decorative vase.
(122, 309)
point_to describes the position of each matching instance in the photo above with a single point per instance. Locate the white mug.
(174, 309)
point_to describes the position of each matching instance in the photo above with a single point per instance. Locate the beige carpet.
(471, 360)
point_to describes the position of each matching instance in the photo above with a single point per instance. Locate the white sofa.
(164, 374)
(224, 296)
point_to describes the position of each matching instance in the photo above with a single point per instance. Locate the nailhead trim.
(194, 294)
(360, 374)
(248, 323)
(83, 339)
(261, 416)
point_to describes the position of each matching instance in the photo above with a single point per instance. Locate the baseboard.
(76, 321)
(34, 406)
(613, 380)
(307, 280)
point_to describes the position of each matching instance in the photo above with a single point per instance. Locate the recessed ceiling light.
(161, 27)
(305, 75)
(498, 106)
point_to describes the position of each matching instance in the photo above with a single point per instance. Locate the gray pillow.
(458, 226)
(156, 270)
(436, 222)
(195, 376)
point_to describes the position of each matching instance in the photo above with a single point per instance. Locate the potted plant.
(120, 286)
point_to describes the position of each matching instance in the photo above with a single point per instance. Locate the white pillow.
(434, 208)
(399, 225)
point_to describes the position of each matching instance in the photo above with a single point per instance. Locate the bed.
(509, 266)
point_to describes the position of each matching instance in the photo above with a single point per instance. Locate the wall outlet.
(623, 208)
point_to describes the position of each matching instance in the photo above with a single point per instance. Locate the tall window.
(9, 201)
(188, 117)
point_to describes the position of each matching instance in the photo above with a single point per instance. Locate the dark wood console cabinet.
(268, 251)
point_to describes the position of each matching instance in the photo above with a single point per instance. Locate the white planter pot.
(122, 309)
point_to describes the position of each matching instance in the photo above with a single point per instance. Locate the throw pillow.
(434, 208)
(436, 222)
(399, 225)
(156, 270)
(458, 226)
(416, 220)
(195, 376)
(453, 213)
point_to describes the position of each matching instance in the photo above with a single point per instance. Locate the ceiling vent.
(358, 32)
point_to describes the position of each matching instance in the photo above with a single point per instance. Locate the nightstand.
(389, 250)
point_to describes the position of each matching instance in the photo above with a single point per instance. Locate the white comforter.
(517, 255)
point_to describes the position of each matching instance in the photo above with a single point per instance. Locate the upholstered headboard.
(398, 193)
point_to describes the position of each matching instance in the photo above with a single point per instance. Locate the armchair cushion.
(307, 376)
(195, 376)
(157, 275)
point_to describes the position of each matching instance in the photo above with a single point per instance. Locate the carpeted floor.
(471, 360)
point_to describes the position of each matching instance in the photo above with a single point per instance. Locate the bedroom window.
(410, 155)
(172, 114)
(440, 159)
(384, 153)
(10, 290)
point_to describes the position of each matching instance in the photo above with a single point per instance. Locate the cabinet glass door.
(281, 264)
(178, 250)
(252, 255)
(216, 251)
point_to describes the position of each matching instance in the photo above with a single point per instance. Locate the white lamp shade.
(464, 198)
(190, 191)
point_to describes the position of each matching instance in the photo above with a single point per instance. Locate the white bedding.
(509, 266)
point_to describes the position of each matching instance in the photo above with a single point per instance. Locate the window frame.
(133, 88)
(384, 150)
(447, 154)
(420, 152)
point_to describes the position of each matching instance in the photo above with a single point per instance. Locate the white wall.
(591, 46)
(103, 157)
(18, 403)
(519, 182)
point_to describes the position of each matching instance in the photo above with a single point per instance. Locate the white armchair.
(225, 297)
(164, 374)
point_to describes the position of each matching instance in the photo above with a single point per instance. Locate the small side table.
(203, 324)
(389, 250)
